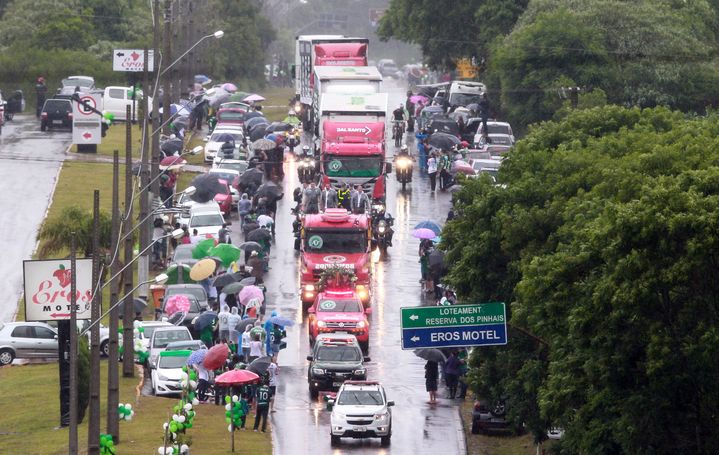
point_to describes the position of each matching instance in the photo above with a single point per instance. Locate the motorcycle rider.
(292, 118)
(409, 106)
(398, 116)
(390, 232)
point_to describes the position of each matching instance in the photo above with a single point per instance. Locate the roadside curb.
(464, 435)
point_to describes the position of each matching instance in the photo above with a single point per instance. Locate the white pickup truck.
(116, 99)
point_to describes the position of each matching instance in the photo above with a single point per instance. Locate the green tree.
(56, 233)
(603, 238)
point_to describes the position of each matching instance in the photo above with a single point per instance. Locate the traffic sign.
(132, 60)
(87, 120)
(481, 324)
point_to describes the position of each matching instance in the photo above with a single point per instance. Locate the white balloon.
(188, 406)
(195, 401)
(161, 451)
(181, 419)
(229, 428)
(228, 406)
(128, 406)
(184, 448)
(165, 425)
(193, 384)
(235, 398)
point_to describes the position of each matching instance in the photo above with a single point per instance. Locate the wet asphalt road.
(29, 164)
(300, 424)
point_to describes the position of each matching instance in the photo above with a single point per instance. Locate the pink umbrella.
(236, 377)
(229, 87)
(463, 167)
(251, 292)
(172, 163)
(177, 303)
(418, 99)
(254, 97)
(216, 356)
(424, 233)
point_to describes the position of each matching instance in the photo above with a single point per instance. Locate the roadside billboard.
(47, 289)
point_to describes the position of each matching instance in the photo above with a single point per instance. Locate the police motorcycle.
(306, 166)
(382, 231)
(403, 167)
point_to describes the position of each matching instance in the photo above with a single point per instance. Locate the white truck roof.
(315, 37)
(372, 103)
(348, 73)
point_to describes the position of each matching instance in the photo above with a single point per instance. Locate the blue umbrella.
(202, 79)
(205, 319)
(429, 224)
(197, 357)
(281, 321)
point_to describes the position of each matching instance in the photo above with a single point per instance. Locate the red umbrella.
(463, 167)
(172, 162)
(236, 377)
(216, 356)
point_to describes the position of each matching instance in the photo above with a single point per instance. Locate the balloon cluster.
(182, 417)
(107, 445)
(125, 411)
(141, 352)
(233, 412)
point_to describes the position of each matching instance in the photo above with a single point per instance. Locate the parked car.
(361, 410)
(26, 340)
(207, 221)
(335, 359)
(230, 116)
(195, 310)
(191, 345)
(495, 144)
(116, 99)
(232, 177)
(195, 290)
(388, 68)
(82, 324)
(85, 83)
(485, 166)
(161, 337)
(148, 328)
(183, 255)
(168, 371)
(236, 165)
(56, 114)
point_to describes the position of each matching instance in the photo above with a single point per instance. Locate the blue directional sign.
(454, 326)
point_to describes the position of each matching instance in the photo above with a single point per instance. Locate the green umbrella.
(227, 252)
(233, 288)
(173, 272)
(237, 97)
(202, 249)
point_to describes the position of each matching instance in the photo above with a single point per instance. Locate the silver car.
(25, 340)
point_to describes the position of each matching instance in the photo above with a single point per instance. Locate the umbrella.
(260, 234)
(264, 220)
(206, 187)
(263, 144)
(138, 306)
(443, 141)
(436, 258)
(205, 319)
(225, 137)
(216, 356)
(269, 190)
(250, 246)
(236, 377)
(177, 318)
(202, 79)
(232, 288)
(280, 126)
(249, 281)
(254, 122)
(172, 163)
(463, 167)
(429, 224)
(242, 325)
(197, 357)
(254, 114)
(418, 99)
(223, 280)
(202, 249)
(251, 292)
(227, 252)
(432, 354)
(249, 227)
(177, 303)
(237, 97)
(424, 233)
(173, 274)
(203, 269)
(254, 303)
(253, 98)
(260, 365)
(229, 87)
(281, 321)
(257, 132)
(171, 146)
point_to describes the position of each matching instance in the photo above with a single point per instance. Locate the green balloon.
(173, 427)
(227, 399)
(227, 419)
(188, 425)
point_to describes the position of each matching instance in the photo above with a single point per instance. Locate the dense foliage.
(603, 236)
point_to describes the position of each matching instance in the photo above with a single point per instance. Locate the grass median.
(29, 396)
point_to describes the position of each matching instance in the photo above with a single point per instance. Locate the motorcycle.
(293, 140)
(306, 169)
(403, 171)
(381, 228)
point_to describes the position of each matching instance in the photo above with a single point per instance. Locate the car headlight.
(321, 324)
(381, 416)
(318, 371)
(403, 163)
(360, 325)
(381, 229)
(162, 377)
(311, 163)
(378, 207)
(309, 287)
(359, 372)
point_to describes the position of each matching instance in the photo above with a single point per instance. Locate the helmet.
(464, 144)
(291, 112)
(305, 148)
(404, 148)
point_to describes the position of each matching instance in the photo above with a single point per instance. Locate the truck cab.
(463, 93)
(340, 309)
(347, 80)
(331, 239)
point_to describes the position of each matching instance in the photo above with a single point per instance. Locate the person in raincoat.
(206, 334)
(233, 319)
(268, 334)
(292, 119)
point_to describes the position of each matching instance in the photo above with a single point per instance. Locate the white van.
(116, 99)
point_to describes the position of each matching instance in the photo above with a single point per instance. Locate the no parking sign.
(86, 121)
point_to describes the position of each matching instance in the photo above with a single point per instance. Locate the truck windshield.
(338, 354)
(360, 398)
(335, 241)
(352, 166)
(339, 306)
(464, 99)
(212, 219)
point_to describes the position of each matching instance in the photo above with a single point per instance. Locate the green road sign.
(453, 315)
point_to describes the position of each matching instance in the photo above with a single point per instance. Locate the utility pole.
(128, 356)
(113, 380)
(189, 74)
(143, 267)
(166, 60)
(93, 424)
(177, 40)
(155, 137)
(72, 434)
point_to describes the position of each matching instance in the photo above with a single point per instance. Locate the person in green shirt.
(262, 406)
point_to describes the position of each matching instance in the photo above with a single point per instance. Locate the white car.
(485, 166)
(166, 375)
(148, 328)
(219, 137)
(25, 340)
(161, 337)
(493, 127)
(206, 220)
(361, 410)
(236, 165)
